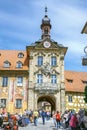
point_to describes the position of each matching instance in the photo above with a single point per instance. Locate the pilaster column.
(58, 101)
(31, 99)
(62, 100)
(35, 101)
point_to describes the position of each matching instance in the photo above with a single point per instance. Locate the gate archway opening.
(46, 102)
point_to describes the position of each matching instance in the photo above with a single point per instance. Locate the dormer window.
(19, 64)
(7, 64)
(70, 80)
(20, 55)
(84, 82)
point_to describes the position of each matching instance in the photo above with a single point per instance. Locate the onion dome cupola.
(45, 26)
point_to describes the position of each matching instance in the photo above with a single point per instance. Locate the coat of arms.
(46, 69)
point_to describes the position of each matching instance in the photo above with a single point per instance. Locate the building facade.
(36, 75)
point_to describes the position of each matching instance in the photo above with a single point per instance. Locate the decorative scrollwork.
(46, 69)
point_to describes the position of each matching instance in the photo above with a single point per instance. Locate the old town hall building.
(35, 76)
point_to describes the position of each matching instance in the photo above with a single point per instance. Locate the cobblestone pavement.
(48, 126)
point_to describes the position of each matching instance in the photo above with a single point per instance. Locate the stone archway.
(48, 98)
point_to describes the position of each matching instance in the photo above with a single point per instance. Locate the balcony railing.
(46, 87)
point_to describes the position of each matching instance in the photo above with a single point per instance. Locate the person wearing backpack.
(58, 120)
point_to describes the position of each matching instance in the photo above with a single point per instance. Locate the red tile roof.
(12, 57)
(77, 85)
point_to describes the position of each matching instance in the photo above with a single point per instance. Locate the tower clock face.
(46, 44)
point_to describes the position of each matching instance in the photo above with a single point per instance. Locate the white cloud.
(22, 21)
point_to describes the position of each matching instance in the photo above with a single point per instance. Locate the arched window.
(46, 31)
(7, 64)
(19, 64)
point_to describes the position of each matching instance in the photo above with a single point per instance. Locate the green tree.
(85, 94)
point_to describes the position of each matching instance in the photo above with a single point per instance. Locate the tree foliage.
(85, 94)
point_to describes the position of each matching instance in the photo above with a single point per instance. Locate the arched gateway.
(46, 99)
(46, 70)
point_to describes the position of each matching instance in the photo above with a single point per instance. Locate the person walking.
(43, 115)
(73, 121)
(85, 121)
(58, 117)
(35, 115)
(54, 118)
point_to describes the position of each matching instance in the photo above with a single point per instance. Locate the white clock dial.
(47, 44)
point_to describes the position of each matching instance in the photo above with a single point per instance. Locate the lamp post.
(84, 59)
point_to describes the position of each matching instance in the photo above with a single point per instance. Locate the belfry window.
(40, 60)
(46, 31)
(53, 61)
(39, 78)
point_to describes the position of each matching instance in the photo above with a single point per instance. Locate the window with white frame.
(18, 103)
(4, 81)
(20, 55)
(53, 79)
(19, 81)
(2, 103)
(39, 78)
(19, 64)
(40, 60)
(70, 98)
(53, 61)
(7, 64)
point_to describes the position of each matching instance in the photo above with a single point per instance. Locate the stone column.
(31, 99)
(35, 101)
(58, 101)
(62, 100)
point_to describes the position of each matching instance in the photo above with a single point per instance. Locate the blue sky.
(20, 22)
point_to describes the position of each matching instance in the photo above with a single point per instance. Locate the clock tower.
(45, 26)
(46, 71)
